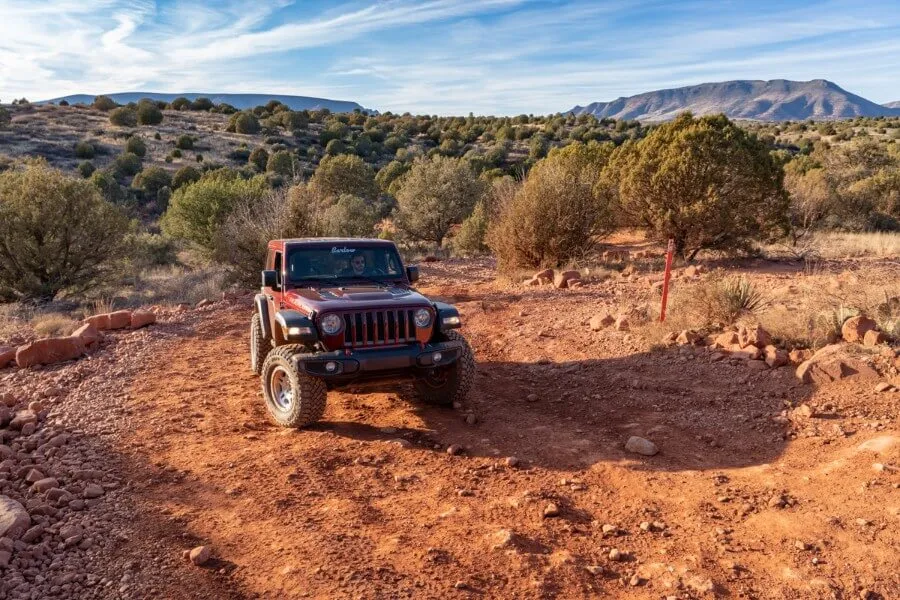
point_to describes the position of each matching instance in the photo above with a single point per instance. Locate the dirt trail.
(368, 504)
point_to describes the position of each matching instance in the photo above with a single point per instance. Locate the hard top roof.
(335, 240)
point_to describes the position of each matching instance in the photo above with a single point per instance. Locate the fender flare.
(263, 308)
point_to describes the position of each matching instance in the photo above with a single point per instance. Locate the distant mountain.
(776, 100)
(892, 104)
(240, 101)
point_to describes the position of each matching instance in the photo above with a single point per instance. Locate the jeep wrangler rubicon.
(339, 312)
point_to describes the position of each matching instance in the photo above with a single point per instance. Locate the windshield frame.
(341, 246)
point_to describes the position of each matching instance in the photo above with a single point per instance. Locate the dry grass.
(833, 246)
(175, 285)
(53, 324)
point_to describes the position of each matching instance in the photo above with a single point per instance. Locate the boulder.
(49, 351)
(775, 357)
(532, 282)
(561, 280)
(200, 555)
(120, 319)
(832, 363)
(597, 322)
(545, 276)
(854, 329)
(871, 338)
(754, 336)
(616, 255)
(798, 355)
(639, 445)
(89, 335)
(7, 356)
(100, 322)
(746, 353)
(688, 337)
(142, 318)
(14, 519)
(726, 340)
(621, 323)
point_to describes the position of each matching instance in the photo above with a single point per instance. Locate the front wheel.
(446, 385)
(293, 399)
(259, 345)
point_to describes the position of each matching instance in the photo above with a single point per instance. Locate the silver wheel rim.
(281, 389)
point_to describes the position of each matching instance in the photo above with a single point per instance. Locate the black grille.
(378, 328)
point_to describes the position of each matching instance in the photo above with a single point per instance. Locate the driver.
(357, 265)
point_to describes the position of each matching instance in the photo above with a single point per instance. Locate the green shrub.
(180, 103)
(127, 164)
(722, 300)
(86, 168)
(84, 149)
(259, 158)
(335, 147)
(283, 163)
(390, 173)
(184, 176)
(151, 180)
(349, 216)
(148, 113)
(706, 183)
(434, 195)
(136, 145)
(123, 117)
(558, 213)
(198, 157)
(104, 103)
(5, 117)
(196, 211)
(202, 103)
(176, 153)
(109, 188)
(152, 250)
(243, 122)
(184, 142)
(470, 240)
(344, 174)
(58, 232)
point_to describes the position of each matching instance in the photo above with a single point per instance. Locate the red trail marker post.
(670, 254)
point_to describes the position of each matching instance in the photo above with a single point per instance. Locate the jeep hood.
(353, 297)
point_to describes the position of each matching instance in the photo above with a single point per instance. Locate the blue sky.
(442, 56)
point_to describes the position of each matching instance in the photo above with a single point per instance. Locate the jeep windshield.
(343, 261)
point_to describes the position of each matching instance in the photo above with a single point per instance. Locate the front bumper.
(340, 366)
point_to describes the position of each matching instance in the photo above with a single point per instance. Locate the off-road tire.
(259, 345)
(293, 399)
(459, 378)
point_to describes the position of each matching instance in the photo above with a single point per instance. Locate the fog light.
(436, 357)
(331, 366)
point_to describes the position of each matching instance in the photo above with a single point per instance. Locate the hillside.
(775, 100)
(239, 101)
(895, 104)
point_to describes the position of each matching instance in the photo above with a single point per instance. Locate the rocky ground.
(158, 443)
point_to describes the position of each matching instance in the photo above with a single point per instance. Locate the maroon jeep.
(339, 312)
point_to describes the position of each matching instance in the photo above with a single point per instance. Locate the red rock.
(100, 322)
(561, 280)
(621, 323)
(754, 336)
(832, 363)
(23, 418)
(49, 351)
(88, 334)
(854, 329)
(687, 337)
(119, 319)
(200, 555)
(799, 355)
(775, 357)
(597, 322)
(7, 355)
(747, 353)
(532, 282)
(871, 338)
(727, 340)
(142, 318)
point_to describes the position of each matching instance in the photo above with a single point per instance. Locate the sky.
(447, 57)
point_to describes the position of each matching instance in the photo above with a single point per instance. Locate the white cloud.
(540, 57)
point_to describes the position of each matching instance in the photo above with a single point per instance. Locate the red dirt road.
(739, 502)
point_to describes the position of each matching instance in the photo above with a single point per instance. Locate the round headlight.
(423, 317)
(331, 324)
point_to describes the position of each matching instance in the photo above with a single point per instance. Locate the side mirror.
(270, 279)
(412, 273)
